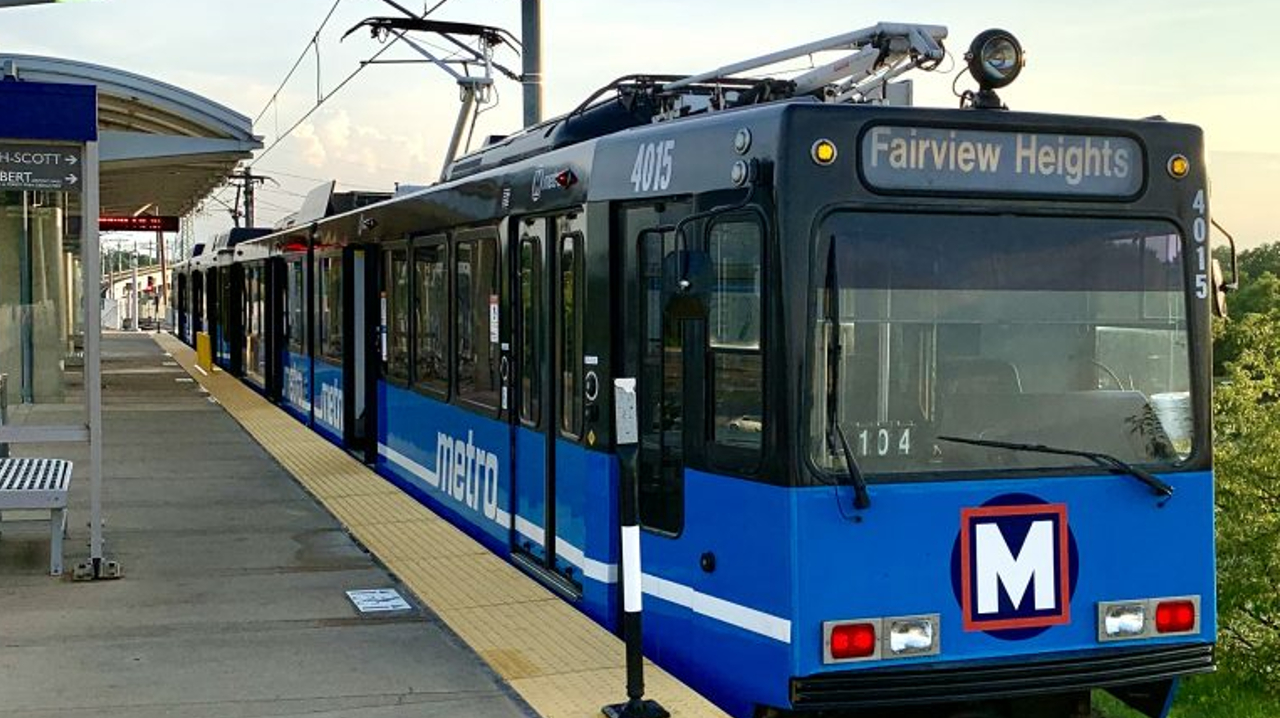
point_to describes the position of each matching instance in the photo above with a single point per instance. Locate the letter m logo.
(1014, 567)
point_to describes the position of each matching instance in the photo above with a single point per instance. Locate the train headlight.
(995, 58)
(912, 636)
(1124, 620)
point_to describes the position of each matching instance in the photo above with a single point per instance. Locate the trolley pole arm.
(926, 39)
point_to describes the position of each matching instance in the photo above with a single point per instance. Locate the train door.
(184, 321)
(197, 304)
(546, 276)
(662, 341)
(275, 326)
(362, 346)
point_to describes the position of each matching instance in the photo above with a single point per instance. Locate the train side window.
(570, 354)
(297, 306)
(476, 283)
(397, 297)
(528, 336)
(431, 318)
(734, 338)
(329, 306)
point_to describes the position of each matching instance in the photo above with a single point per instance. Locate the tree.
(1247, 459)
(1259, 293)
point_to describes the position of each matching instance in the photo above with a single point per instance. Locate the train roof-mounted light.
(995, 58)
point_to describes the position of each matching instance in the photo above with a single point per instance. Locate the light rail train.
(924, 394)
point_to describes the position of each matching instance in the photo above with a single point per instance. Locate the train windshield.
(1060, 331)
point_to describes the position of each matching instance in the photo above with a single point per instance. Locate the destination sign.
(141, 223)
(35, 167)
(934, 159)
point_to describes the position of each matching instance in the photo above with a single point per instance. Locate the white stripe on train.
(744, 617)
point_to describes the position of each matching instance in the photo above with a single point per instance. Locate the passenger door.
(544, 385)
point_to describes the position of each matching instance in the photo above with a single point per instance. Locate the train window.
(329, 307)
(431, 318)
(254, 350)
(297, 290)
(570, 355)
(736, 360)
(662, 383)
(528, 336)
(476, 285)
(397, 316)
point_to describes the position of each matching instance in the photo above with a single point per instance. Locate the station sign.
(939, 159)
(141, 223)
(40, 167)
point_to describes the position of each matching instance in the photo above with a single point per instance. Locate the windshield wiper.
(835, 352)
(861, 499)
(1106, 460)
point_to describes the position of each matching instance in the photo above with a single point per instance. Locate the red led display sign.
(141, 223)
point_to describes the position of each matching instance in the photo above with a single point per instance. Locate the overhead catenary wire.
(322, 98)
(314, 41)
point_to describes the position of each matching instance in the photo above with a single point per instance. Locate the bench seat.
(40, 484)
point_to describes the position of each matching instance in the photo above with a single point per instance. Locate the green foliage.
(1247, 460)
(1259, 293)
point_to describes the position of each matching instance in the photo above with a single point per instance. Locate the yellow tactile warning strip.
(561, 663)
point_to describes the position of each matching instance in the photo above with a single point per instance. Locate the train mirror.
(1220, 289)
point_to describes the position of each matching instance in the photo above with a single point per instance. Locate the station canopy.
(161, 147)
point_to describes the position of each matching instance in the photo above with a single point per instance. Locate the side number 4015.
(654, 164)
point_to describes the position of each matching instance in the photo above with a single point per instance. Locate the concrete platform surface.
(234, 602)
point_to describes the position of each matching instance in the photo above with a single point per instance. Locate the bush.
(1247, 458)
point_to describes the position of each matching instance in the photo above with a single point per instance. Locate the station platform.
(240, 532)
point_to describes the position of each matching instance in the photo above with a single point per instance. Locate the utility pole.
(531, 39)
(247, 182)
(133, 296)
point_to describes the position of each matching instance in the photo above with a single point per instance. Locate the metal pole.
(162, 309)
(133, 296)
(26, 289)
(531, 38)
(627, 437)
(469, 91)
(93, 353)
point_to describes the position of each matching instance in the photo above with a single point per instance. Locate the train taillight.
(1175, 616)
(852, 641)
(873, 639)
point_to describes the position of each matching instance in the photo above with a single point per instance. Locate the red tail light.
(853, 640)
(1175, 616)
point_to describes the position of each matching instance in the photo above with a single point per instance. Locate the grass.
(1220, 695)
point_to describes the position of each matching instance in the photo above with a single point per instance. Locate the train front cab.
(978, 574)
(1060, 310)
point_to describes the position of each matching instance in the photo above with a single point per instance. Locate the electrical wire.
(326, 97)
(315, 37)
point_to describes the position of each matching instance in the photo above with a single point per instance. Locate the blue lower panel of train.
(296, 397)
(465, 467)
(326, 400)
(1007, 569)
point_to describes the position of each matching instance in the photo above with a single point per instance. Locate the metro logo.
(1014, 567)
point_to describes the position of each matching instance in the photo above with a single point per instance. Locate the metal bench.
(39, 484)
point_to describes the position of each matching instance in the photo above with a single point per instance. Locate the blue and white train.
(924, 394)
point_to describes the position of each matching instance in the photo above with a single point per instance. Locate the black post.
(628, 437)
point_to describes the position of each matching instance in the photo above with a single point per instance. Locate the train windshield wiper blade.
(861, 499)
(1146, 477)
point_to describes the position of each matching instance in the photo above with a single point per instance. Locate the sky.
(1209, 64)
